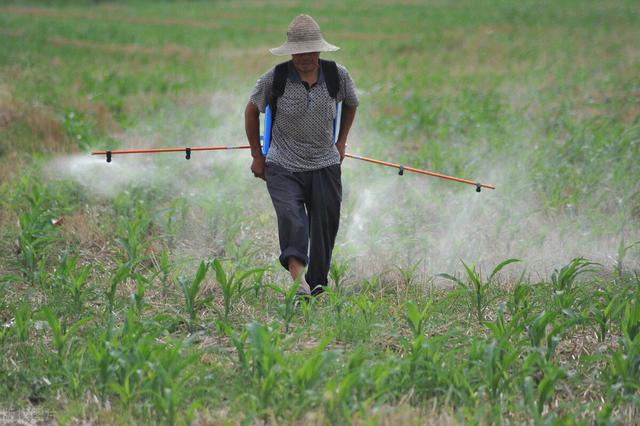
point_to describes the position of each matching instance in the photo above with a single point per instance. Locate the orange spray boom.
(188, 151)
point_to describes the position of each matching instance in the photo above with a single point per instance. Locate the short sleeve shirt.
(302, 133)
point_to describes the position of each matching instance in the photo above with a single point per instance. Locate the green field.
(148, 290)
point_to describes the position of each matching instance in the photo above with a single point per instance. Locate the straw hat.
(303, 35)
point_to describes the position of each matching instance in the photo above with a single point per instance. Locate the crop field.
(148, 291)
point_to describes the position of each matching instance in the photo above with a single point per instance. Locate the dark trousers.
(307, 206)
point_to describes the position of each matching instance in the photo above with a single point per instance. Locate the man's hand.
(346, 119)
(258, 167)
(252, 127)
(342, 149)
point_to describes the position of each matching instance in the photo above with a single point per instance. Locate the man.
(302, 167)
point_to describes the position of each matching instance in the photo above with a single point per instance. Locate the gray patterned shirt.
(302, 133)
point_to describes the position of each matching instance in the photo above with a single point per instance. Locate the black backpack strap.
(277, 88)
(331, 77)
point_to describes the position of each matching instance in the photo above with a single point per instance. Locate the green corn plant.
(175, 218)
(417, 318)
(624, 364)
(172, 381)
(61, 334)
(477, 289)
(164, 265)
(232, 284)
(23, 322)
(366, 306)
(341, 391)
(563, 282)
(41, 275)
(505, 330)
(138, 296)
(500, 355)
(317, 364)
(267, 362)
(542, 329)
(408, 275)
(287, 309)
(36, 232)
(372, 284)
(136, 228)
(190, 289)
(338, 272)
(606, 306)
(518, 304)
(100, 350)
(622, 253)
(630, 326)
(73, 279)
(540, 391)
(239, 341)
(123, 272)
(426, 369)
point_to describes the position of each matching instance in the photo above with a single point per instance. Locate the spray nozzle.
(188, 153)
(401, 170)
(108, 156)
(478, 187)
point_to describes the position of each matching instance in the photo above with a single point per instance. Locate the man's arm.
(252, 128)
(346, 120)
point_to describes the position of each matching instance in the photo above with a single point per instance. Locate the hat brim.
(294, 48)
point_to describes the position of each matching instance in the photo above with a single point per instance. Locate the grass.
(148, 290)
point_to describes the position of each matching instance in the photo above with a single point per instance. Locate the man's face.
(306, 62)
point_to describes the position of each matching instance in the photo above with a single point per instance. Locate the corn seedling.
(316, 363)
(61, 334)
(136, 229)
(518, 305)
(564, 288)
(267, 362)
(23, 322)
(417, 318)
(287, 309)
(477, 289)
(122, 273)
(175, 217)
(496, 361)
(367, 307)
(164, 265)
(607, 306)
(539, 391)
(73, 279)
(232, 284)
(624, 366)
(542, 329)
(622, 253)
(338, 273)
(190, 289)
(408, 276)
(36, 209)
(138, 296)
